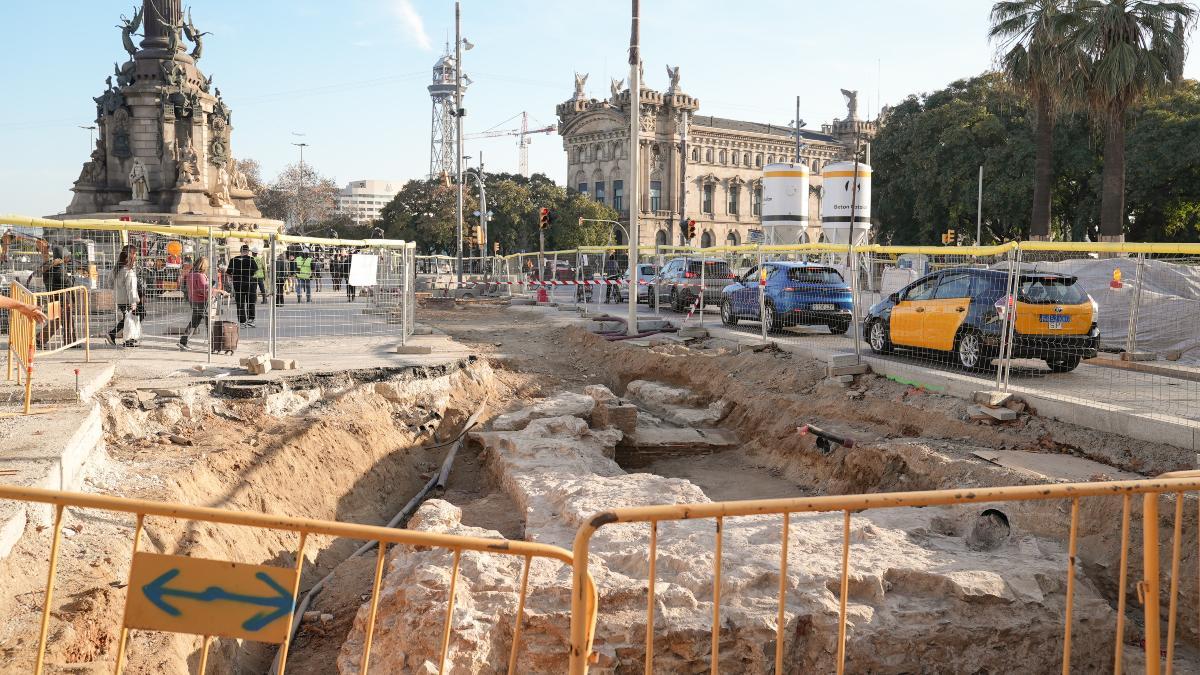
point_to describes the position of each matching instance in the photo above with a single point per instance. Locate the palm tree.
(1038, 61)
(1135, 47)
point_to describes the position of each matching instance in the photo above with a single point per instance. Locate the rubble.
(946, 586)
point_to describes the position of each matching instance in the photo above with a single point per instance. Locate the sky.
(351, 75)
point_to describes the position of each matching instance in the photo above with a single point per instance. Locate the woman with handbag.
(200, 290)
(125, 293)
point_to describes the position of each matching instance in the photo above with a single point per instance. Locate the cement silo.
(837, 194)
(785, 203)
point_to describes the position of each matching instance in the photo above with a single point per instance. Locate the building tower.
(441, 137)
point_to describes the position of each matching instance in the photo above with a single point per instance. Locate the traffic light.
(544, 218)
(690, 225)
(496, 246)
(949, 237)
(476, 235)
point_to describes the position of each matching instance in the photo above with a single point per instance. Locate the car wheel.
(770, 317)
(839, 327)
(877, 336)
(969, 351)
(1064, 365)
(727, 315)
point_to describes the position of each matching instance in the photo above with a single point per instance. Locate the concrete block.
(1139, 356)
(646, 324)
(421, 329)
(693, 332)
(1002, 414)
(283, 364)
(838, 360)
(844, 379)
(838, 371)
(992, 399)
(414, 349)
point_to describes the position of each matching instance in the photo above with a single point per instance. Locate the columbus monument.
(163, 149)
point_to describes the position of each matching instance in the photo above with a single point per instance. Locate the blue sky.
(351, 75)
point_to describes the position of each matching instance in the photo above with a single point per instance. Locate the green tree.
(1044, 66)
(1135, 48)
(1164, 167)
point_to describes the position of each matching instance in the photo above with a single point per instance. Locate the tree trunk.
(1112, 204)
(1043, 173)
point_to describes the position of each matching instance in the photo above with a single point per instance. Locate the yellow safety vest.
(304, 268)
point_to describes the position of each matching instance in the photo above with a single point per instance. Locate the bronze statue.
(194, 36)
(129, 28)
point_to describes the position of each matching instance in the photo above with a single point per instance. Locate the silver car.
(678, 284)
(646, 273)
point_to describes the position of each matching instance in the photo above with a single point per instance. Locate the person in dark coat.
(241, 272)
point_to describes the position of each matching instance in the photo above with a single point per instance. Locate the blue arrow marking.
(280, 604)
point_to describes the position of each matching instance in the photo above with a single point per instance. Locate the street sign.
(755, 236)
(178, 594)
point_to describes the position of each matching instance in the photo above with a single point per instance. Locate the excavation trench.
(973, 588)
(352, 447)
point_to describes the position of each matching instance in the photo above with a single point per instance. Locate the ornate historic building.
(694, 166)
(163, 145)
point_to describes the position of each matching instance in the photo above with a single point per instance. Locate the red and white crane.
(522, 135)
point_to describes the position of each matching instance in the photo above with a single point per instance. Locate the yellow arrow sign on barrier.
(178, 594)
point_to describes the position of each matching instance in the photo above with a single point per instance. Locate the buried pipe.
(826, 441)
(436, 481)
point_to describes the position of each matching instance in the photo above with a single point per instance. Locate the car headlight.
(1095, 308)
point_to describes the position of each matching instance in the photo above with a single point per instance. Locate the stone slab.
(860, 369)
(414, 349)
(656, 438)
(1002, 414)
(991, 398)
(1042, 466)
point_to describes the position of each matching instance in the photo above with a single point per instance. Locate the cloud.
(411, 23)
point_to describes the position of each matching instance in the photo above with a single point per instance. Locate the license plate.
(1054, 321)
(822, 306)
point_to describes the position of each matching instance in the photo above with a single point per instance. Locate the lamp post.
(300, 185)
(459, 44)
(91, 135)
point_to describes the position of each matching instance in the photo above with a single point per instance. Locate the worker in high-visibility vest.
(260, 276)
(304, 272)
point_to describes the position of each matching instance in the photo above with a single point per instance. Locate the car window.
(923, 290)
(953, 286)
(814, 275)
(751, 275)
(1051, 291)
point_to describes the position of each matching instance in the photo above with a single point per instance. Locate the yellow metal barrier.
(68, 325)
(21, 340)
(147, 566)
(583, 624)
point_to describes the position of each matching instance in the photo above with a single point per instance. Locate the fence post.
(579, 280)
(404, 272)
(1135, 308)
(762, 296)
(1009, 292)
(854, 300)
(1012, 322)
(701, 307)
(272, 328)
(1150, 585)
(208, 297)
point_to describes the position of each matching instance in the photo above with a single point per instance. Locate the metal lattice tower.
(441, 138)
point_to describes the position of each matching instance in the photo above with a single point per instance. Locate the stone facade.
(163, 148)
(714, 177)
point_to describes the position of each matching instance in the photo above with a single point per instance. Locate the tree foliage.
(424, 212)
(926, 161)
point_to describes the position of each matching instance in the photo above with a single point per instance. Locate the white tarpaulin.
(364, 270)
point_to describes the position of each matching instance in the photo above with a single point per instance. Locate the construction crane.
(522, 134)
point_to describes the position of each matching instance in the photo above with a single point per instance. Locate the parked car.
(679, 282)
(797, 294)
(961, 311)
(646, 274)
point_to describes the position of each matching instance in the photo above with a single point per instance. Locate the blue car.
(797, 294)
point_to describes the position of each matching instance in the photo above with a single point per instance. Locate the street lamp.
(91, 135)
(460, 43)
(300, 185)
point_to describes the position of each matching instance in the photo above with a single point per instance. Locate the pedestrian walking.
(199, 292)
(304, 273)
(241, 272)
(260, 275)
(283, 270)
(318, 264)
(351, 292)
(125, 293)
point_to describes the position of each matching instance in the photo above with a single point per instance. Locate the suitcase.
(224, 337)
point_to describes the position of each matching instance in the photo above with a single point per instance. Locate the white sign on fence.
(364, 270)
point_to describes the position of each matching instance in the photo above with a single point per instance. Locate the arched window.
(746, 159)
(732, 239)
(706, 239)
(599, 151)
(770, 159)
(695, 154)
(708, 155)
(723, 157)
(758, 160)
(661, 238)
